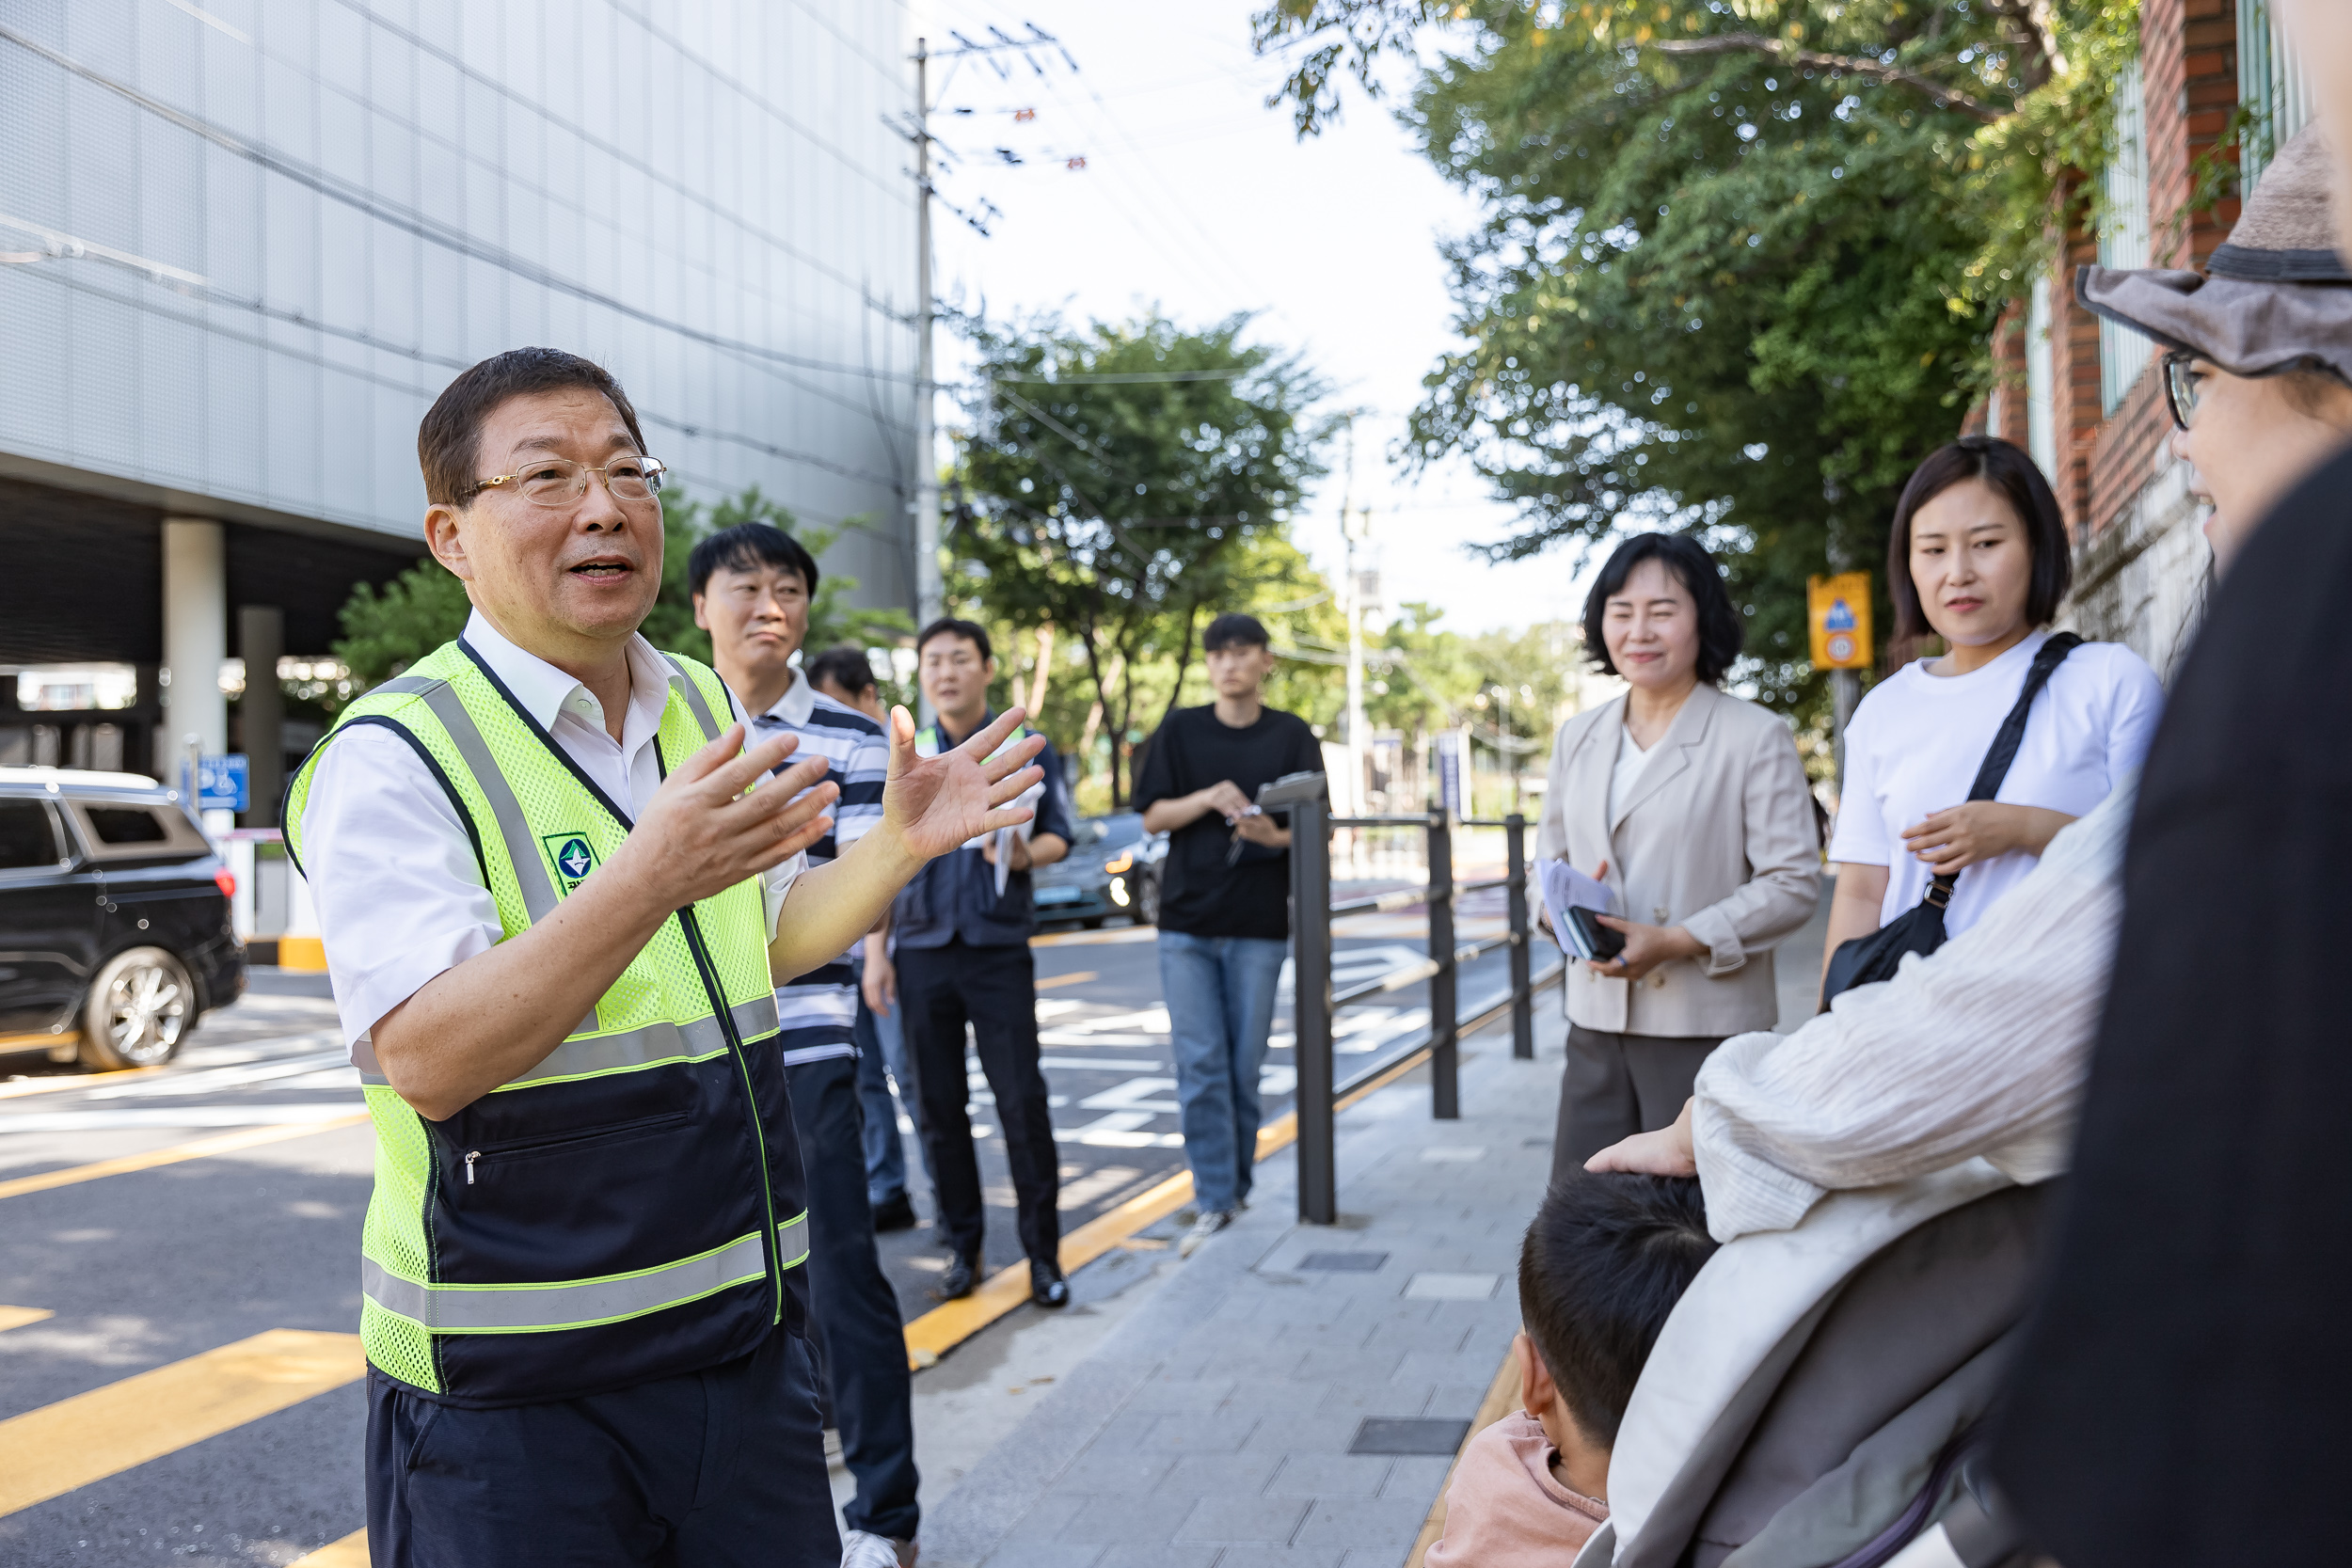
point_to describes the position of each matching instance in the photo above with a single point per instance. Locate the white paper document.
(1566, 888)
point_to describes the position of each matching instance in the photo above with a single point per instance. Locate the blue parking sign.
(223, 784)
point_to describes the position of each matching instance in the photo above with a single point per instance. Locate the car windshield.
(1108, 833)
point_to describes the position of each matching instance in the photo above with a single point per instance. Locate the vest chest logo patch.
(571, 856)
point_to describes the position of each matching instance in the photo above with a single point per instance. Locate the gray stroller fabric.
(1839, 1428)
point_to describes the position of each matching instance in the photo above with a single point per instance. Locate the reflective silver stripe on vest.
(755, 1017)
(792, 1240)
(523, 1308)
(694, 695)
(406, 685)
(531, 871)
(634, 1048)
(666, 1042)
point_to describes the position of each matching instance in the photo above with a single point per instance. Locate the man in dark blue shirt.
(961, 930)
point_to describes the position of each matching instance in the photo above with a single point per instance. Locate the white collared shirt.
(391, 868)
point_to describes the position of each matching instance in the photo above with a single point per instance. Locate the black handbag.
(1920, 928)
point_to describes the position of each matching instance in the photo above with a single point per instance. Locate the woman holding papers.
(1688, 810)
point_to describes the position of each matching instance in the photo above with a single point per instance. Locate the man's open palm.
(935, 804)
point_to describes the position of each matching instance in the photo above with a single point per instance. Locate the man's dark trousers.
(720, 1469)
(859, 1333)
(995, 990)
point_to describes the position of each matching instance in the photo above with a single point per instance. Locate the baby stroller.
(1817, 1399)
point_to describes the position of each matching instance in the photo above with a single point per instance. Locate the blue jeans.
(1220, 1005)
(881, 1057)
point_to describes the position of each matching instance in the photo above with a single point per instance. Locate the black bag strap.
(2005, 740)
(2013, 732)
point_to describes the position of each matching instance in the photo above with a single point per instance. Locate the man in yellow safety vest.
(556, 893)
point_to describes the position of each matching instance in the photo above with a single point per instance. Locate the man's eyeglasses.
(559, 482)
(2180, 387)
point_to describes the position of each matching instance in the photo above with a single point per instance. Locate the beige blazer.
(1716, 837)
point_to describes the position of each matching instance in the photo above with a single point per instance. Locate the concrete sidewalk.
(1292, 1393)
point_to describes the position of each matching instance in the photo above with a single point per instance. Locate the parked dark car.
(1113, 868)
(114, 928)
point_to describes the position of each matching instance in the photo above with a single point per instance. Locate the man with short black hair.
(1224, 906)
(556, 893)
(963, 929)
(752, 586)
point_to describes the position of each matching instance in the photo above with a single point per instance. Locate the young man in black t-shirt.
(1224, 905)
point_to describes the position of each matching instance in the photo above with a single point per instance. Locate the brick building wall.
(2141, 555)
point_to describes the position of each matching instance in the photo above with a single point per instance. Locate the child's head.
(1604, 1262)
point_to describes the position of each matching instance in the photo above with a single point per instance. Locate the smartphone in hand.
(1593, 942)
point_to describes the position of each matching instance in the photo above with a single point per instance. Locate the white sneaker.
(860, 1549)
(1209, 1224)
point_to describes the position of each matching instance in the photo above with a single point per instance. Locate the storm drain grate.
(1341, 1262)
(1409, 1434)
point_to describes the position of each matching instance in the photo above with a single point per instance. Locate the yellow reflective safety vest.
(630, 1208)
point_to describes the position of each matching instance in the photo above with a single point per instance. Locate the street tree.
(1740, 261)
(1112, 479)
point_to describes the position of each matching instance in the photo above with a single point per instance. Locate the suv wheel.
(1147, 900)
(140, 1007)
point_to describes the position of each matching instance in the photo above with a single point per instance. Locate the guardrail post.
(1445, 1058)
(1522, 942)
(1310, 973)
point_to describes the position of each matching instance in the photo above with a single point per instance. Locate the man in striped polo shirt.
(753, 586)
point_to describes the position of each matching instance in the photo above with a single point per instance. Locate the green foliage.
(1742, 259)
(831, 619)
(1116, 478)
(385, 631)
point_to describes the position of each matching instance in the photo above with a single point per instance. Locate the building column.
(262, 711)
(196, 640)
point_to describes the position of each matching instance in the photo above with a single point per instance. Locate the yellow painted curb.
(950, 1323)
(307, 953)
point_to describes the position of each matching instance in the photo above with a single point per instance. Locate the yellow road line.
(17, 1317)
(227, 1143)
(1502, 1397)
(1076, 978)
(950, 1323)
(350, 1552)
(71, 1081)
(48, 1453)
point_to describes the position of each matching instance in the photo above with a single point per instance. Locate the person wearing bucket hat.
(2258, 368)
(2187, 1337)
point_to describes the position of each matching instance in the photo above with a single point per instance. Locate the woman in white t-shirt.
(1979, 557)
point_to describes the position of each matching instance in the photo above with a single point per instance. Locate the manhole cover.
(1409, 1434)
(1342, 1263)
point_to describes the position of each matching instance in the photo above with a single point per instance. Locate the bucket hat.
(2275, 296)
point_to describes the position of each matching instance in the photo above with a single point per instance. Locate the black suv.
(115, 931)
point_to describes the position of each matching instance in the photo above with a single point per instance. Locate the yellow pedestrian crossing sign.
(1838, 608)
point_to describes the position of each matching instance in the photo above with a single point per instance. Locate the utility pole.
(929, 593)
(929, 597)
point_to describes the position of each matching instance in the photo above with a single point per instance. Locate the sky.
(1198, 199)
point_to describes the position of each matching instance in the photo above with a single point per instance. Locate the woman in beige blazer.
(1693, 807)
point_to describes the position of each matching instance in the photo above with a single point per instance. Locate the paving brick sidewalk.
(1215, 1428)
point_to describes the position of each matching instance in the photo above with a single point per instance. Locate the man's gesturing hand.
(933, 804)
(702, 834)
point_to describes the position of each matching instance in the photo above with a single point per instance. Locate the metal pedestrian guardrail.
(1321, 1094)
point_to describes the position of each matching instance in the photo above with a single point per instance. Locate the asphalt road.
(150, 1272)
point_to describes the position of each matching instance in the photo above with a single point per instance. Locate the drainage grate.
(1409, 1434)
(1342, 1263)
